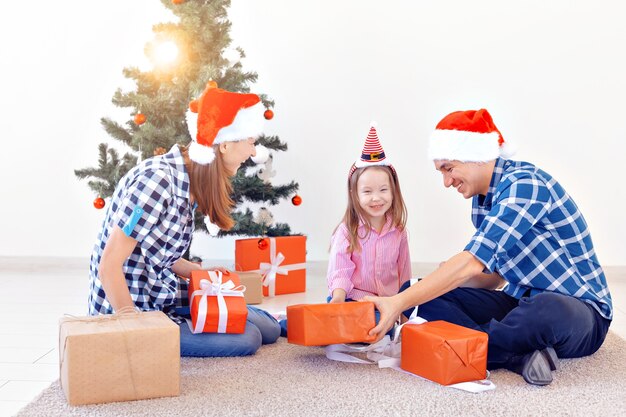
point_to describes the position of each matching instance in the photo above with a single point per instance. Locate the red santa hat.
(224, 116)
(372, 153)
(468, 136)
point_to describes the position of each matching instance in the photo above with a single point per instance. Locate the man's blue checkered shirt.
(531, 232)
(151, 204)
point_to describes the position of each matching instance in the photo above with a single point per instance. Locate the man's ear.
(223, 147)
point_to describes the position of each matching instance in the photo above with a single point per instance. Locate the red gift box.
(444, 352)
(327, 324)
(217, 303)
(282, 263)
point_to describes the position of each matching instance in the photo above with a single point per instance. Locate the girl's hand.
(389, 312)
(337, 299)
(339, 296)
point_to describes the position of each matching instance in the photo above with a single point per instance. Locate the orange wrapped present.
(444, 352)
(328, 324)
(217, 303)
(282, 263)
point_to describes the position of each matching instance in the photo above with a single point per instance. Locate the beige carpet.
(288, 380)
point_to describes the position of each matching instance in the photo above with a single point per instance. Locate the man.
(530, 235)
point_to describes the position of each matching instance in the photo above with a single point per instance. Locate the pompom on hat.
(224, 116)
(372, 153)
(468, 136)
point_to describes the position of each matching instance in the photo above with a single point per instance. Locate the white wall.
(551, 73)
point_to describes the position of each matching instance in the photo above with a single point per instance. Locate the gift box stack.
(327, 324)
(119, 357)
(444, 352)
(217, 303)
(280, 260)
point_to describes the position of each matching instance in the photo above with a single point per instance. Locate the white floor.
(35, 293)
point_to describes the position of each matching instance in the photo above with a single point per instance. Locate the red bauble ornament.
(268, 114)
(211, 84)
(98, 203)
(296, 200)
(140, 119)
(263, 244)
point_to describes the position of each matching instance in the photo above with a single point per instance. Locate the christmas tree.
(186, 55)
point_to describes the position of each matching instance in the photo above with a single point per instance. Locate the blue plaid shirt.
(151, 205)
(531, 232)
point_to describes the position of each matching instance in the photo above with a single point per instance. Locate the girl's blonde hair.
(355, 214)
(211, 188)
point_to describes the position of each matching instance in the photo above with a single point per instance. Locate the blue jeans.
(261, 328)
(517, 327)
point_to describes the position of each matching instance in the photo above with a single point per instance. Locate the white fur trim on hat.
(359, 163)
(507, 149)
(192, 123)
(248, 123)
(464, 146)
(201, 154)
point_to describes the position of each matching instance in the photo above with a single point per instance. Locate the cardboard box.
(444, 352)
(216, 307)
(328, 324)
(119, 357)
(253, 281)
(282, 263)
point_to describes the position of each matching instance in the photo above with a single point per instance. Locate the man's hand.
(389, 309)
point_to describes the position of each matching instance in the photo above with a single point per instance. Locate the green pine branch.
(246, 226)
(109, 172)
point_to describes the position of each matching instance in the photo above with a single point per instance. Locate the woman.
(148, 227)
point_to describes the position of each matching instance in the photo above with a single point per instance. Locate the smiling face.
(469, 178)
(375, 195)
(236, 153)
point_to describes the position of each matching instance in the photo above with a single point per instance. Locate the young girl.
(369, 252)
(149, 223)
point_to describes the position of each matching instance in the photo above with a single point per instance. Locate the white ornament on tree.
(264, 217)
(266, 173)
(262, 154)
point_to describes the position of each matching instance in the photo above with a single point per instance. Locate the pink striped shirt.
(381, 266)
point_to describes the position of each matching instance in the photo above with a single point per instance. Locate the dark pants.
(516, 327)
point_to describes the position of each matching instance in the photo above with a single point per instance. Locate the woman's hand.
(390, 310)
(219, 268)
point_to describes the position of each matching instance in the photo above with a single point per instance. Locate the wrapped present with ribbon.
(327, 324)
(216, 302)
(282, 263)
(119, 357)
(444, 352)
